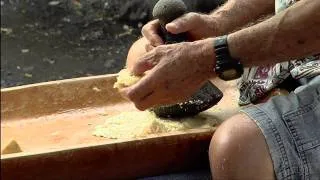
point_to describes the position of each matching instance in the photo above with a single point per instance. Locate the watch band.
(227, 68)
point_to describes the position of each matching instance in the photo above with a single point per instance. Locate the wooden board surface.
(53, 123)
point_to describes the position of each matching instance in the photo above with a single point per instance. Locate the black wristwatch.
(227, 68)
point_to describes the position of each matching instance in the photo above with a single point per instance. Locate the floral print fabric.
(256, 82)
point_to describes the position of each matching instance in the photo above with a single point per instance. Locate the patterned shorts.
(291, 127)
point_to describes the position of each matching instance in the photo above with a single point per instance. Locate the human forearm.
(229, 17)
(237, 13)
(291, 34)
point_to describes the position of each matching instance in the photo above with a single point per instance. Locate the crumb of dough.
(11, 147)
(125, 79)
(140, 124)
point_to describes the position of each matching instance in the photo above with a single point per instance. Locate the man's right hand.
(198, 26)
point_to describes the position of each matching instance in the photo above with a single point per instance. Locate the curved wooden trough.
(53, 122)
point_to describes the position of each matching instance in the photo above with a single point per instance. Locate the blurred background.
(43, 40)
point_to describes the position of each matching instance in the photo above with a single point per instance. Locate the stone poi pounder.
(208, 95)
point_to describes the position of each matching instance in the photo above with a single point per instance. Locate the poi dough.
(140, 124)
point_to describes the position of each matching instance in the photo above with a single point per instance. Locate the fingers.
(150, 31)
(150, 101)
(145, 63)
(183, 24)
(145, 94)
(140, 91)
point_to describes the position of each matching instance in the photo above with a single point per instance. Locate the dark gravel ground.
(44, 40)
(49, 42)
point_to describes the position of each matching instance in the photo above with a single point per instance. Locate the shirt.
(257, 81)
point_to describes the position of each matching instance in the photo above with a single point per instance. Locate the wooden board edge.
(175, 134)
(120, 160)
(64, 81)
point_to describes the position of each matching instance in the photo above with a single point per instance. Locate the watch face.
(229, 74)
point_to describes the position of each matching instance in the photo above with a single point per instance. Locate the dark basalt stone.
(208, 96)
(168, 10)
(141, 10)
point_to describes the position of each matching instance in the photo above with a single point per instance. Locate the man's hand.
(229, 17)
(198, 26)
(176, 72)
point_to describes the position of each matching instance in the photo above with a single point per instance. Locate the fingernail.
(171, 26)
(140, 108)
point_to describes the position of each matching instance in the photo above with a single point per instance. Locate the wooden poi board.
(53, 123)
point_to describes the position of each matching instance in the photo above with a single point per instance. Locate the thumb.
(183, 24)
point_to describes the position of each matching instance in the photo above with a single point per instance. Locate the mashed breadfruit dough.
(134, 124)
(125, 79)
(137, 124)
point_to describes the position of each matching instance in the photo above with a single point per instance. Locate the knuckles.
(145, 29)
(150, 27)
(193, 17)
(130, 96)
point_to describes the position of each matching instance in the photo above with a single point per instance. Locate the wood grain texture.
(53, 122)
(57, 96)
(122, 160)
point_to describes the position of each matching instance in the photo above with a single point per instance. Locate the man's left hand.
(175, 72)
